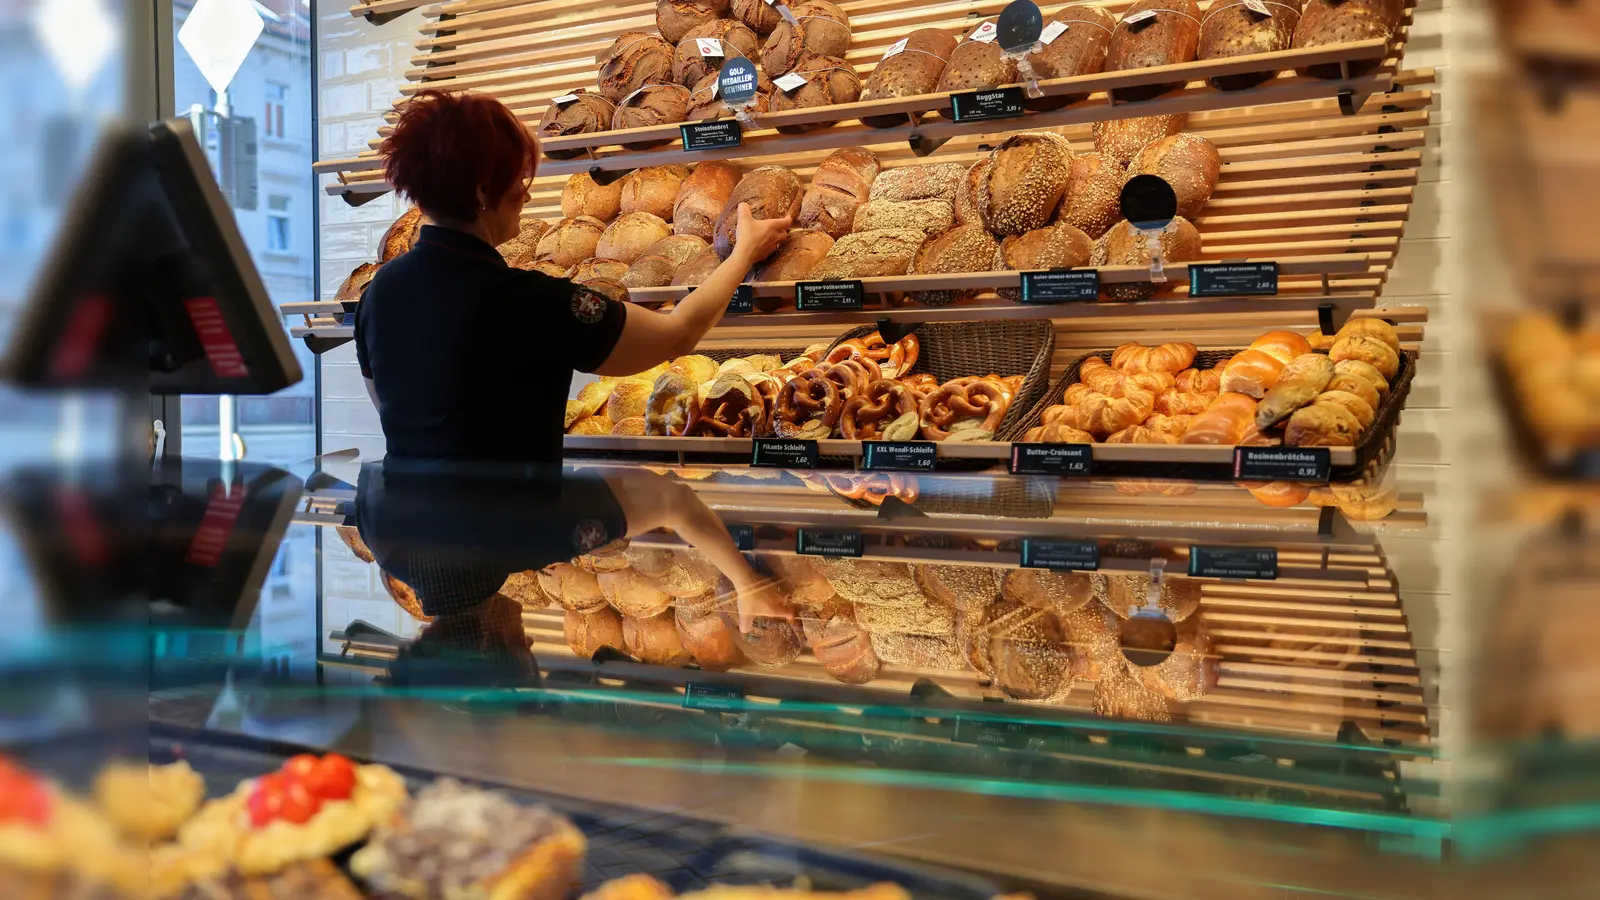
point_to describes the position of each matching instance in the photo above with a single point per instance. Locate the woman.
(467, 358)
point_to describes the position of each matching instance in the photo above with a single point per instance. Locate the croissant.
(1171, 358)
(1252, 372)
(1154, 382)
(1175, 426)
(1139, 434)
(1322, 425)
(1225, 423)
(1199, 381)
(1057, 434)
(1075, 394)
(1060, 415)
(1175, 402)
(1108, 413)
(1098, 375)
(1282, 345)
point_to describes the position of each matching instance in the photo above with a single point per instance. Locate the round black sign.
(1019, 26)
(737, 82)
(1148, 202)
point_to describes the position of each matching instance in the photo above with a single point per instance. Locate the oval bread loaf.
(1028, 174)
(927, 216)
(839, 187)
(701, 198)
(1325, 22)
(627, 237)
(960, 248)
(914, 70)
(797, 257)
(674, 18)
(570, 241)
(1080, 50)
(596, 267)
(1093, 201)
(697, 270)
(773, 192)
(589, 113)
(868, 254)
(1058, 246)
(652, 189)
(757, 15)
(654, 104)
(704, 102)
(931, 181)
(975, 65)
(1230, 28)
(522, 250)
(1154, 33)
(829, 81)
(1122, 139)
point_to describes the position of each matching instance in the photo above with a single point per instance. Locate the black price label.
(716, 135)
(813, 295)
(898, 456)
(992, 733)
(698, 695)
(783, 453)
(1060, 286)
(1052, 459)
(1233, 280)
(1587, 466)
(744, 536)
(744, 299)
(993, 103)
(1282, 463)
(828, 543)
(1061, 556)
(1233, 562)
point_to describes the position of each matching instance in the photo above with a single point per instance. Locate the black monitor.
(150, 282)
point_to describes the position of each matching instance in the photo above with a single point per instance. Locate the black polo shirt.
(472, 359)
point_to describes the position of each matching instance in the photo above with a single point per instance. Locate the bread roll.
(627, 237)
(697, 270)
(654, 104)
(596, 267)
(1080, 50)
(1168, 37)
(1355, 405)
(959, 248)
(822, 29)
(773, 192)
(1122, 139)
(1252, 373)
(1230, 28)
(1127, 247)
(914, 70)
(714, 646)
(1323, 424)
(757, 15)
(701, 198)
(1343, 383)
(1225, 422)
(401, 235)
(652, 189)
(674, 18)
(1370, 350)
(829, 81)
(1302, 380)
(927, 216)
(1188, 162)
(1327, 22)
(1058, 246)
(975, 65)
(689, 67)
(634, 59)
(931, 181)
(842, 183)
(570, 241)
(1371, 327)
(583, 196)
(1028, 174)
(1093, 201)
(654, 640)
(586, 633)
(570, 586)
(1364, 371)
(1285, 346)
(797, 257)
(843, 648)
(588, 114)
(869, 254)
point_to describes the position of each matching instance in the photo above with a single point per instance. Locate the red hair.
(446, 148)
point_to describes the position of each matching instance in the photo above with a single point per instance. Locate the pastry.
(1103, 414)
(148, 803)
(1057, 433)
(1323, 424)
(886, 410)
(1135, 358)
(1301, 381)
(1224, 423)
(1365, 371)
(958, 407)
(1253, 373)
(1355, 386)
(1371, 327)
(1370, 350)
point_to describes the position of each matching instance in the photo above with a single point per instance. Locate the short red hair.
(446, 147)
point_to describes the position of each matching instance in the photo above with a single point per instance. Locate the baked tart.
(148, 803)
(54, 845)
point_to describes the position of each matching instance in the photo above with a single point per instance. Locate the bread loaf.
(714, 646)
(570, 241)
(1153, 33)
(1093, 201)
(757, 15)
(648, 271)
(586, 633)
(679, 248)
(627, 237)
(355, 284)
(652, 189)
(1080, 50)
(545, 267)
(401, 235)
(797, 257)
(588, 114)
(654, 640)
(689, 67)
(960, 248)
(705, 102)
(842, 647)
(654, 104)
(1028, 174)
(829, 81)
(822, 29)
(867, 254)
(1188, 162)
(975, 65)
(701, 198)
(697, 270)
(596, 267)
(1230, 28)
(773, 192)
(1058, 246)
(634, 59)
(1127, 247)
(966, 204)
(914, 70)
(520, 251)
(842, 183)
(1124, 138)
(927, 216)
(932, 181)
(674, 18)
(1326, 22)
(583, 196)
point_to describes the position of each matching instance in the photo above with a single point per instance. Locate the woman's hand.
(756, 239)
(761, 597)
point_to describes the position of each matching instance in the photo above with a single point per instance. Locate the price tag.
(698, 695)
(744, 300)
(990, 733)
(710, 46)
(783, 453)
(1310, 464)
(790, 82)
(1140, 17)
(1052, 31)
(895, 48)
(1052, 459)
(984, 34)
(813, 295)
(717, 135)
(1061, 556)
(1234, 280)
(898, 456)
(744, 537)
(564, 99)
(994, 103)
(1233, 562)
(828, 543)
(1587, 466)
(1258, 7)
(1061, 286)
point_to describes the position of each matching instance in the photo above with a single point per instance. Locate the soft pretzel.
(853, 376)
(808, 407)
(731, 407)
(855, 348)
(922, 382)
(900, 356)
(868, 413)
(1103, 414)
(979, 404)
(1171, 358)
(876, 487)
(674, 400)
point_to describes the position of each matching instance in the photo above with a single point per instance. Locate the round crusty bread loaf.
(596, 267)
(588, 114)
(797, 257)
(966, 204)
(652, 189)
(773, 192)
(688, 66)
(1080, 50)
(842, 647)
(586, 633)
(706, 103)
(975, 65)
(634, 59)
(674, 18)
(627, 238)
(1125, 246)
(714, 646)
(1093, 201)
(521, 250)
(1058, 246)
(653, 104)
(757, 15)
(697, 270)
(546, 267)
(351, 289)
(915, 70)
(960, 248)
(823, 29)
(1171, 36)
(679, 248)
(1028, 174)
(1188, 162)
(840, 185)
(648, 271)
(1233, 29)
(702, 197)
(583, 196)
(829, 81)
(401, 235)
(612, 288)
(1122, 139)
(570, 241)
(654, 640)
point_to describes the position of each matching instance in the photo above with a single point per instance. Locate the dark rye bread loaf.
(689, 67)
(588, 114)
(914, 70)
(797, 257)
(773, 192)
(1230, 28)
(842, 183)
(1168, 37)
(1080, 50)
(959, 248)
(975, 65)
(654, 104)
(634, 59)
(829, 81)
(821, 29)
(702, 197)
(1325, 22)
(1028, 174)
(704, 103)
(1058, 246)
(674, 18)
(758, 15)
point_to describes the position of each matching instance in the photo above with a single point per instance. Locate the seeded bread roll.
(583, 196)
(1058, 246)
(797, 257)
(1127, 247)
(1093, 201)
(688, 66)
(1028, 175)
(932, 181)
(596, 267)
(867, 254)
(401, 235)
(1188, 162)
(842, 183)
(701, 198)
(706, 103)
(1080, 50)
(960, 248)
(654, 104)
(652, 190)
(1161, 33)
(588, 114)
(757, 15)
(674, 18)
(772, 192)
(927, 216)
(634, 59)
(1230, 28)
(829, 81)
(1326, 22)
(975, 65)
(914, 70)
(570, 241)
(823, 29)
(627, 237)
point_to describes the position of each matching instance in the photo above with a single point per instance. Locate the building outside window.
(278, 224)
(277, 98)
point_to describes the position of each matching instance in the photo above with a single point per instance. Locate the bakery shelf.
(382, 10)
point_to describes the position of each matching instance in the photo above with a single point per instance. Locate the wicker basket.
(1369, 449)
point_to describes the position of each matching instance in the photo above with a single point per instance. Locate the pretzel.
(853, 376)
(767, 389)
(922, 382)
(894, 358)
(674, 400)
(855, 348)
(731, 408)
(868, 413)
(808, 407)
(980, 404)
(1007, 386)
(876, 487)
